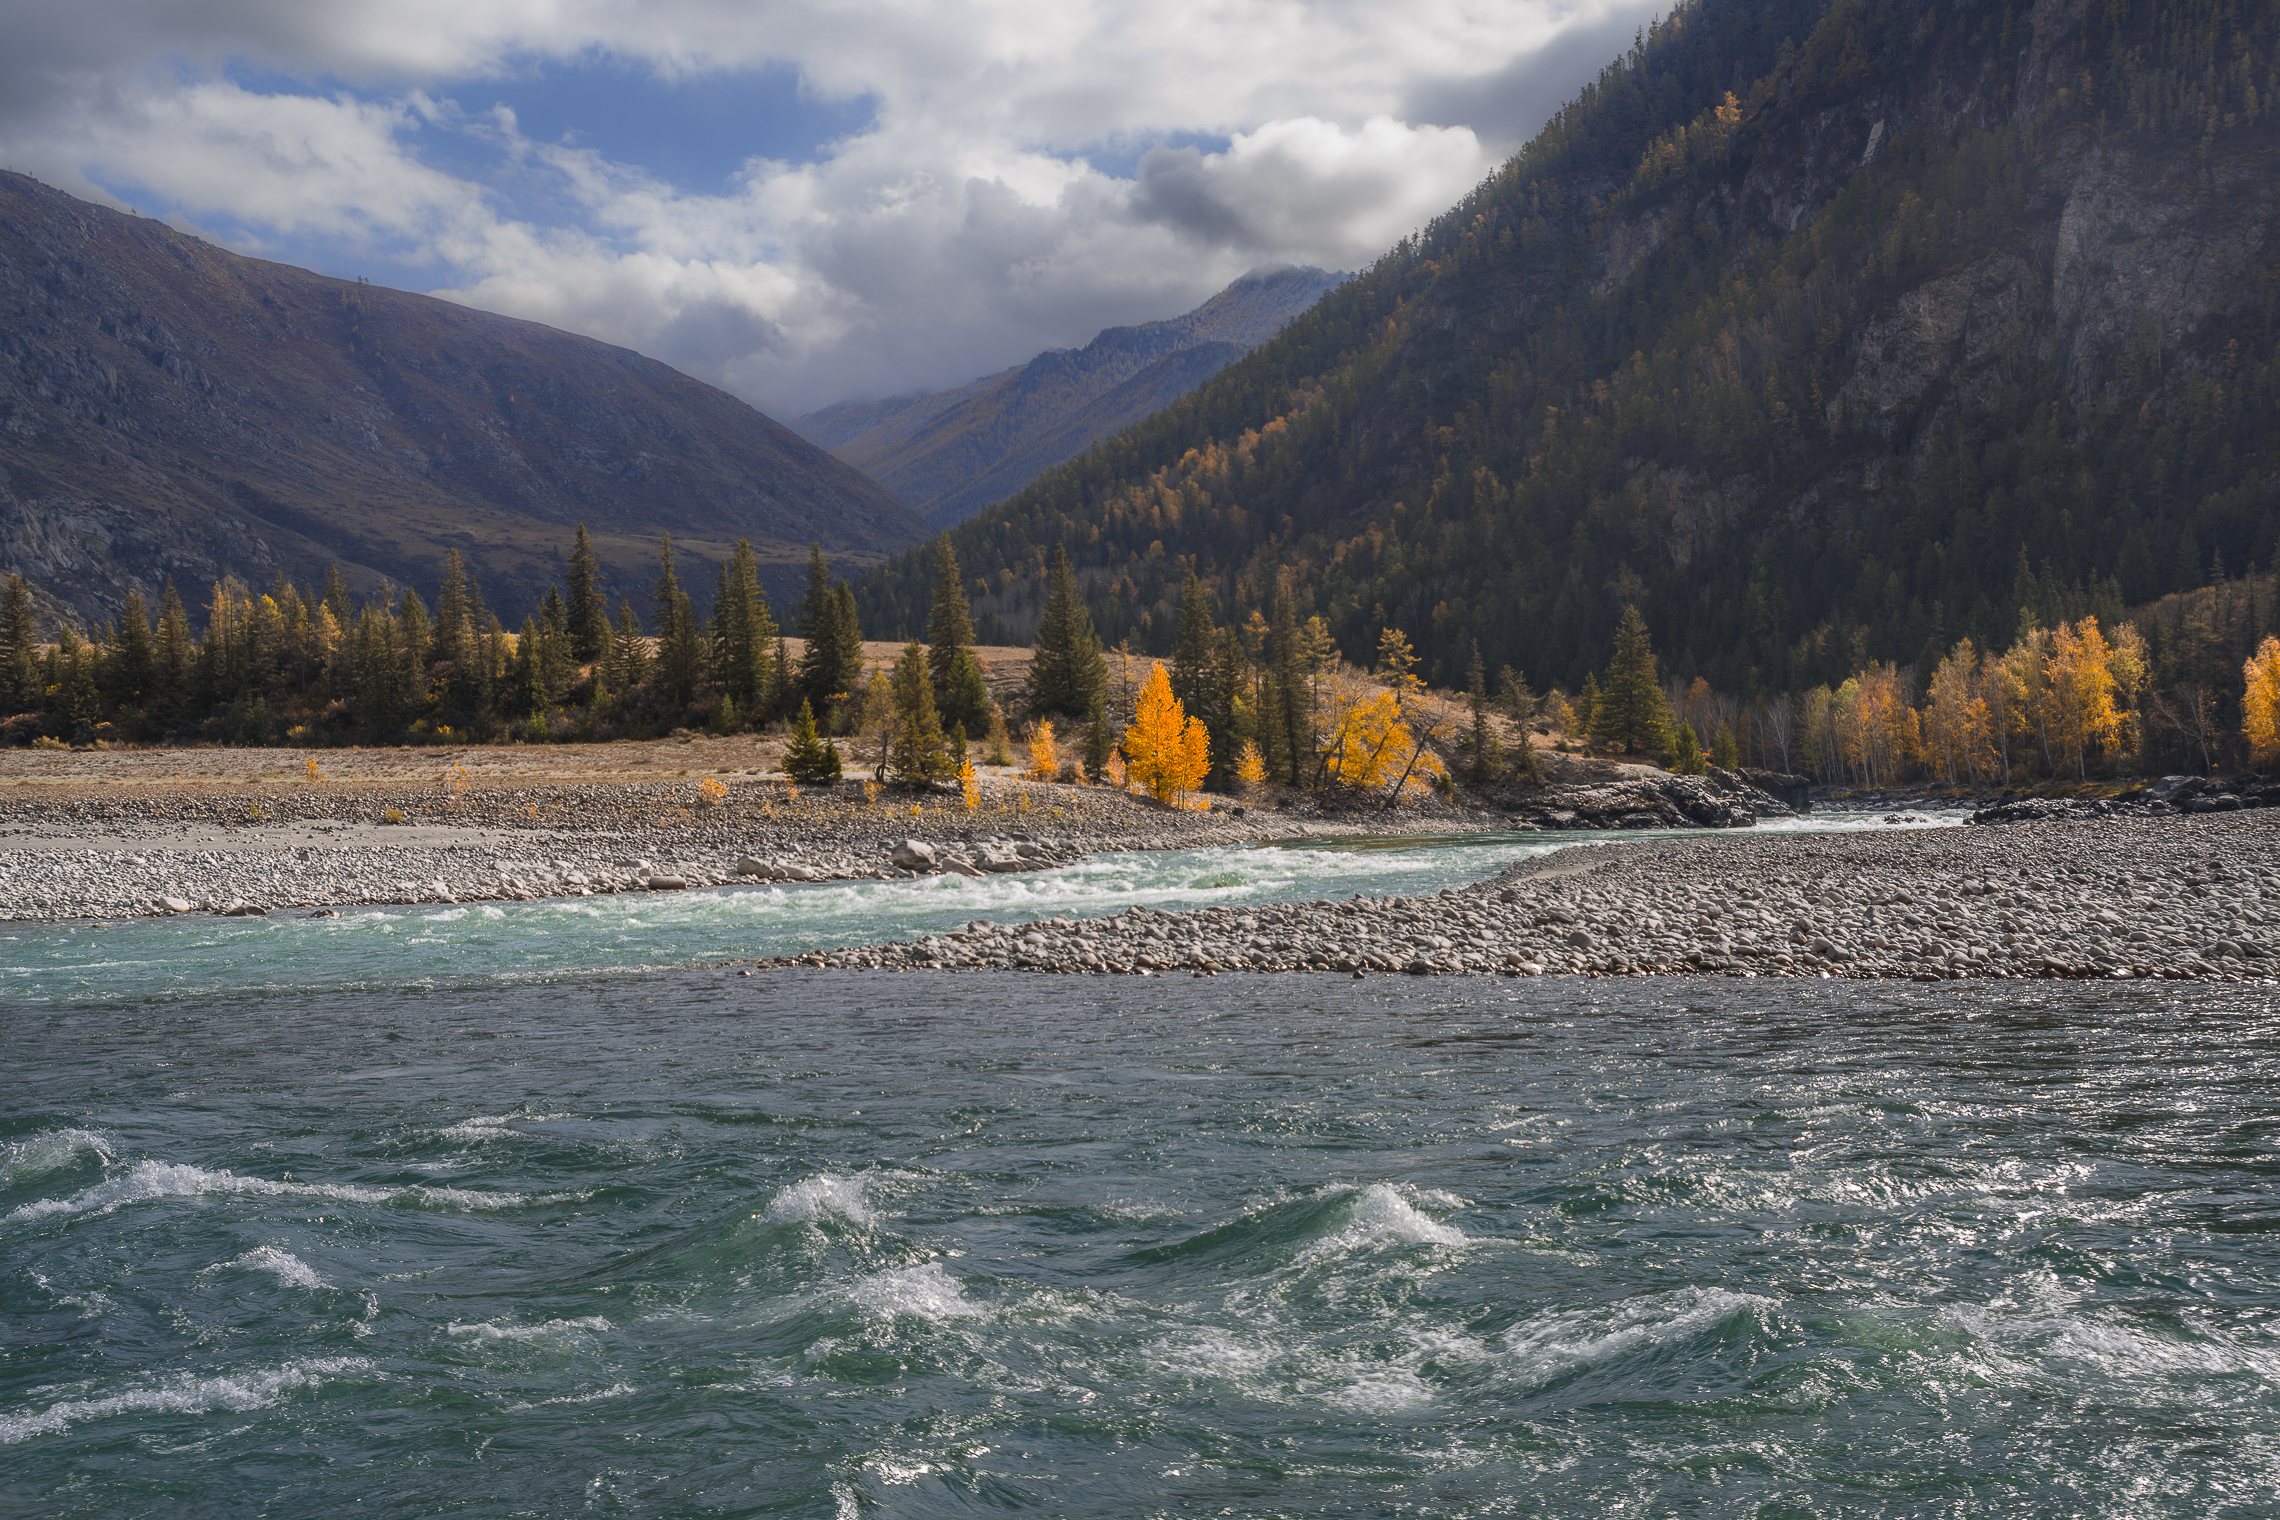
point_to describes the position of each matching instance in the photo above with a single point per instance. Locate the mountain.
(171, 409)
(1825, 332)
(951, 453)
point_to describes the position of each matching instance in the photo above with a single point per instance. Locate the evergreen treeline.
(316, 665)
(1500, 436)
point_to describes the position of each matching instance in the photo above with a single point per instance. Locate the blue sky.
(799, 202)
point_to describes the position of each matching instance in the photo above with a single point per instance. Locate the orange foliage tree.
(2260, 704)
(1170, 752)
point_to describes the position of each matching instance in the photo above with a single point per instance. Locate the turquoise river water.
(451, 1212)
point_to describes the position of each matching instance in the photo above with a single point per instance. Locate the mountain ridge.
(169, 408)
(949, 453)
(1825, 330)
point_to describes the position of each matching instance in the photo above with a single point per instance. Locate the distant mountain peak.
(950, 453)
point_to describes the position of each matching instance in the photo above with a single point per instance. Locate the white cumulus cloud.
(1029, 170)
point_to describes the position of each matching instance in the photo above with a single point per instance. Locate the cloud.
(1029, 170)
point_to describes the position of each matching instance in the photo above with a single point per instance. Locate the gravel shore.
(122, 848)
(2119, 898)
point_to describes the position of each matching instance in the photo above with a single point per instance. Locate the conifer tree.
(589, 609)
(560, 664)
(1000, 751)
(1293, 695)
(1686, 752)
(743, 630)
(336, 599)
(832, 662)
(680, 652)
(630, 667)
(171, 658)
(19, 645)
(850, 639)
(452, 641)
(1630, 713)
(414, 644)
(920, 759)
(1195, 647)
(529, 678)
(1487, 749)
(959, 689)
(1100, 743)
(808, 760)
(1586, 707)
(1066, 670)
(128, 668)
(1725, 753)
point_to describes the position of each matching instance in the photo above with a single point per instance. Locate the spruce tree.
(1293, 694)
(453, 640)
(1487, 749)
(1725, 753)
(19, 645)
(127, 671)
(920, 759)
(1631, 713)
(1100, 742)
(808, 760)
(171, 659)
(336, 596)
(959, 689)
(529, 677)
(589, 610)
(680, 652)
(1066, 669)
(1194, 649)
(743, 630)
(414, 645)
(820, 664)
(560, 667)
(630, 667)
(1686, 752)
(848, 643)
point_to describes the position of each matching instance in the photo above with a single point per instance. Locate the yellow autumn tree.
(1044, 755)
(2260, 705)
(2079, 690)
(1250, 765)
(1372, 743)
(1170, 752)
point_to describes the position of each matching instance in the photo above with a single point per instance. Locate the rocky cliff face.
(171, 409)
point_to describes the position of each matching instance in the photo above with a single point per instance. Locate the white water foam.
(925, 1291)
(2029, 1344)
(614, 1391)
(480, 1127)
(488, 1330)
(282, 1265)
(51, 1150)
(1381, 1214)
(149, 1180)
(809, 1200)
(187, 1395)
(1574, 1338)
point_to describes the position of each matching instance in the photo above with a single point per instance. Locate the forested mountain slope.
(1808, 327)
(171, 409)
(951, 453)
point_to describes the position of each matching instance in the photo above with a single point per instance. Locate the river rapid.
(445, 1215)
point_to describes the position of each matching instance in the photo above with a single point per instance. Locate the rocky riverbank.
(277, 844)
(2176, 896)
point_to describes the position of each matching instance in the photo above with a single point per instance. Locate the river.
(409, 1213)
